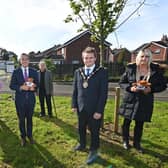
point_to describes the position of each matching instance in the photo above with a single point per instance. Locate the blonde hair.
(143, 52)
(90, 50)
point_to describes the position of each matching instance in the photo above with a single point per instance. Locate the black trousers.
(138, 130)
(42, 97)
(85, 119)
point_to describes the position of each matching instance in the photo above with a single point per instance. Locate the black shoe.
(92, 157)
(138, 148)
(79, 148)
(50, 116)
(42, 115)
(31, 140)
(23, 142)
(126, 145)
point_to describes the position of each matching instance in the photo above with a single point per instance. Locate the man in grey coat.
(45, 88)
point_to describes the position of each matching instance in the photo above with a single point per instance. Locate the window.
(157, 51)
(75, 62)
(57, 62)
(62, 51)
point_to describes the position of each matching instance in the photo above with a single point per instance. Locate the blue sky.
(36, 25)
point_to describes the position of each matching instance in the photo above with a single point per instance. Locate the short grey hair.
(42, 62)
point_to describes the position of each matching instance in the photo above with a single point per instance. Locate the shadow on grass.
(99, 161)
(112, 147)
(128, 158)
(67, 128)
(103, 162)
(156, 147)
(30, 156)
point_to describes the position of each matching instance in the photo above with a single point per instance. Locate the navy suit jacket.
(22, 97)
(93, 98)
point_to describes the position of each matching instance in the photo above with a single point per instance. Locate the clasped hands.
(25, 87)
(146, 90)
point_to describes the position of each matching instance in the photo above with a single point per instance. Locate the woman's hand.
(133, 89)
(147, 90)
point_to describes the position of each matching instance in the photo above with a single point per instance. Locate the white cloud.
(28, 14)
(32, 20)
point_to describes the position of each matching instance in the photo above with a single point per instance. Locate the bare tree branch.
(90, 2)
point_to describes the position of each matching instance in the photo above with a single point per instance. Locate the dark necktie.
(87, 71)
(25, 74)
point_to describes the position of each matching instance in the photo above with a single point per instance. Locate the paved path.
(61, 89)
(66, 90)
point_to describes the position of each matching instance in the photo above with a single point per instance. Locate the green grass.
(55, 139)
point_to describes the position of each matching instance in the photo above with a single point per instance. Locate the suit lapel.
(30, 73)
(83, 70)
(20, 73)
(95, 68)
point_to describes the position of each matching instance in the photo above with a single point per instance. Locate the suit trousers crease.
(86, 119)
(25, 121)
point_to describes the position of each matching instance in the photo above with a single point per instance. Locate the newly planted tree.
(98, 16)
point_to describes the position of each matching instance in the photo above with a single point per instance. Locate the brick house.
(47, 54)
(72, 49)
(120, 55)
(159, 50)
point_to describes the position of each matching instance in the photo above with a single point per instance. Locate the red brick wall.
(73, 51)
(160, 56)
(157, 57)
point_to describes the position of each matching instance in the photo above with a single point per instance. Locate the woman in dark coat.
(138, 100)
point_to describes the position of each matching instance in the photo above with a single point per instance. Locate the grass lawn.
(56, 137)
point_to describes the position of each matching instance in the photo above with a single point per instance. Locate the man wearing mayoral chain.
(90, 89)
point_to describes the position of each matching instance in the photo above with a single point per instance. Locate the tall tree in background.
(4, 54)
(98, 16)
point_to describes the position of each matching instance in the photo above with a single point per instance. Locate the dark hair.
(24, 54)
(90, 50)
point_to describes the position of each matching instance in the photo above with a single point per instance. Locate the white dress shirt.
(23, 70)
(90, 69)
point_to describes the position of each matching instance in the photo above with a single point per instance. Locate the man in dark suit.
(88, 100)
(24, 81)
(45, 88)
